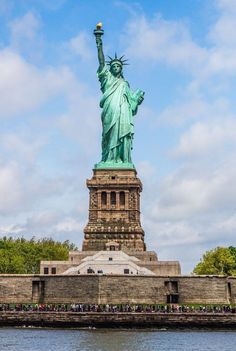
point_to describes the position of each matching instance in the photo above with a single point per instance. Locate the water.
(115, 340)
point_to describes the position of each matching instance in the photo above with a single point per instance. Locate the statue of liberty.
(119, 106)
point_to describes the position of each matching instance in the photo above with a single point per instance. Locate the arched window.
(104, 198)
(122, 198)
(113, 198)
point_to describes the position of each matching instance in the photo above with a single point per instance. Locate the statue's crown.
(120, 60)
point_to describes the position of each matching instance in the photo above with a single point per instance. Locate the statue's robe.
(119, 105)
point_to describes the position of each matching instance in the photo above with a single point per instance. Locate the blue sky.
(182, 53)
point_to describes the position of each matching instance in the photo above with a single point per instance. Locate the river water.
(13, 339)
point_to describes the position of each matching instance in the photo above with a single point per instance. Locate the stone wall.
(112, 320)
(231, 289)
(15, 288)
(69, 289)
(195, 289)
(116, 289)
(122, 289)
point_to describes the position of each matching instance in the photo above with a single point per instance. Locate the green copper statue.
(119, 105)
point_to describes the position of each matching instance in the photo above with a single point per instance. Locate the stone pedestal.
(114, 211)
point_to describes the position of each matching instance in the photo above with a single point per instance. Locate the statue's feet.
(114, 165)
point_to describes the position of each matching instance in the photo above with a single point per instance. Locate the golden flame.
(99, 25)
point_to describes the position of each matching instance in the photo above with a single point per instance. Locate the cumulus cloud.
(22, 147)
(203, 139)
(56, 224)
(24, 28)
(22, 188)
(79, 46)
(25, 36)
(24, 87)
(157, 41)
(191, 108)
(25, 177)
(160, 40)
(222, 32)
(194, 191)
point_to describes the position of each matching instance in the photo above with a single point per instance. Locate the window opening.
(113, 198)
(45, 270)
(104, 198)
(122, 198)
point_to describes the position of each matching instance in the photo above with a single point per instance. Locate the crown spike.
(118, 60)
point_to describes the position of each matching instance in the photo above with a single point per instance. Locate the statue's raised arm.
(98, 32)
(119, 106)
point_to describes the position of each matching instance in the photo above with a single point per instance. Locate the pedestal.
(114, 211)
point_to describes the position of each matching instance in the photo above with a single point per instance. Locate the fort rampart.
(117, 289)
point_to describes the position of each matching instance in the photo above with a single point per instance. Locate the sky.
(182, 53)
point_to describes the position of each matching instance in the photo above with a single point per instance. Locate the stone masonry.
(117, 289)
(114, 212)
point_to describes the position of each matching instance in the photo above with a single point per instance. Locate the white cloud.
(23, 187)
(195, 190)
(24, 87)
(51, 223)
(79, 45)
(25, 27)
(170, 42)
(25, 36)
(145, 169)
(222, 32)
(203, 139)
(19, 147)
(68, 224)
(10, 188)
(228, 224)
(183, 111)
(161, 40)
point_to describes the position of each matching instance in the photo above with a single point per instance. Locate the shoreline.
(118, 320)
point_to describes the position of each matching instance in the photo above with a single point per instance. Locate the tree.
(221, 260)
(21, 256)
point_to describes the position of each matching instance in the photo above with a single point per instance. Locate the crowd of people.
(109, 308)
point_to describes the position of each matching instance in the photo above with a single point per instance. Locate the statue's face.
(116, 69)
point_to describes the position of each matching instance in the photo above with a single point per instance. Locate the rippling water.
(115, 340)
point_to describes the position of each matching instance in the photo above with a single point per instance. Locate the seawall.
(118, 320)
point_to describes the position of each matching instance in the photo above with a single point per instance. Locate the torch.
(98, 32)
